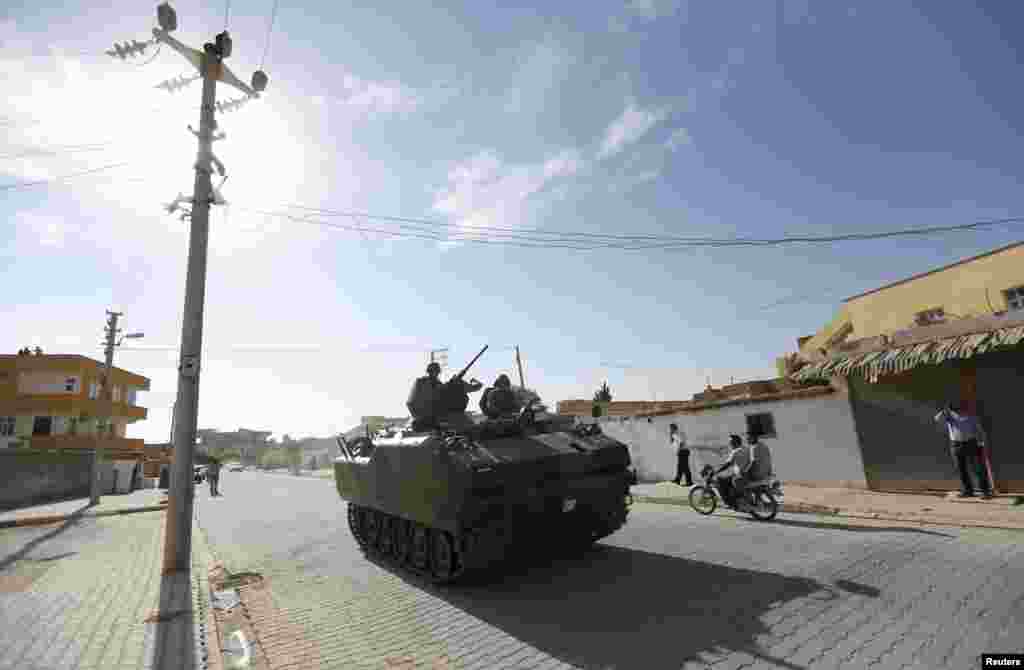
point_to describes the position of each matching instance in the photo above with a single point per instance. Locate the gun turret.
(470, 364)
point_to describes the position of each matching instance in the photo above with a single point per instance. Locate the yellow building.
(54, 401)
(990, 283)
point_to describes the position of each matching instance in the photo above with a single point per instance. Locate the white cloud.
(628, 128)
(486, 191)
(678, 138)
(374, 99)
(644, 11)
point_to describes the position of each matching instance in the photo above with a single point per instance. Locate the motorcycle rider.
(737, 463)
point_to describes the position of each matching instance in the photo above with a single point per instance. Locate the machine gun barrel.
(470, 364)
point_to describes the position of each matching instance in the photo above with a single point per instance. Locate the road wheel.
(763, 506)
(355, 516)
(386, 535)
(401, 543)
(373, 527)
(420, 547)
(703, 500)
(442, 555)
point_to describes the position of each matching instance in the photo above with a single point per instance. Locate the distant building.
(249, 443)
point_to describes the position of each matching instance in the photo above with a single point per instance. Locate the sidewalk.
(1003, 511)
(145, 500)
(88, 593)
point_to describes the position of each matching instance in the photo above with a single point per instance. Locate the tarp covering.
(874, 364)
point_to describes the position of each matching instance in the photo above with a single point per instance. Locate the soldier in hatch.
(500, 399)
(425, 395)
(430, 400)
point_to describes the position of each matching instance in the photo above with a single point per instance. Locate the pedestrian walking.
(966, 436)
(213, 475)
(677, 440)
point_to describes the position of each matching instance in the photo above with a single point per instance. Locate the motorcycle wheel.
(703, 500)
(764, 506)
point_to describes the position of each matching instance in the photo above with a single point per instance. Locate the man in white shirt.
(965, 435)
(677, 440)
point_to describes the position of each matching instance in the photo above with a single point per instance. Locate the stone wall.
(33, 476)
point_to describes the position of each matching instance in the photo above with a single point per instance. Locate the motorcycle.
(760, 499)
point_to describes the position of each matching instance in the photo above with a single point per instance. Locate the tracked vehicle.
(466, 494)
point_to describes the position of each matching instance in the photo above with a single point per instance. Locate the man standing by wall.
(677, 440)
(965, 434)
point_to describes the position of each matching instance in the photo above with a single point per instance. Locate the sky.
(659, 118)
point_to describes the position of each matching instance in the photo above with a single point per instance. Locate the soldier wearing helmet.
(499, 399)
(424, 398)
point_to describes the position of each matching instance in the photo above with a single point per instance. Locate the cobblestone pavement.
(670, 590)
(87, 593)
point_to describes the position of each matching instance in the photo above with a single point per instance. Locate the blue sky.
(720, 119)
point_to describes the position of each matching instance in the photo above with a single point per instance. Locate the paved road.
(670, 590)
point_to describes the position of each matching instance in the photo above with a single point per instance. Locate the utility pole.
(109, 344)
(519, 364)
(210, 65)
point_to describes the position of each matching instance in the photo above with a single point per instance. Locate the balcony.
(116, 448)
(66, 404)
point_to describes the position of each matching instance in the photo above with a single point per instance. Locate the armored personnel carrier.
(464, 493)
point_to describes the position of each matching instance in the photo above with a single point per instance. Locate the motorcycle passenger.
(760, 459)
(737, 463)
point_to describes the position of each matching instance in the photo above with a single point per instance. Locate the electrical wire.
(151, 58)
(415, 228)
(270, 29)
(33, 152)
(43, 182)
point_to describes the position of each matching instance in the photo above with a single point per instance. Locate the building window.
(42, 425)
(132, 398)
(6, 426)
(94, 390)
(762, 424)
(930, 316)
(71, 384)
(1014, 298)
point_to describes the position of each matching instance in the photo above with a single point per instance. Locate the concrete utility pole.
(109, 344)
(210, 64)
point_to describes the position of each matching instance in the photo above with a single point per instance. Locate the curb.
(57, 518)
(824, 510)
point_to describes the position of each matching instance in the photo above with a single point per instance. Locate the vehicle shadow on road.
(848, 526)
(618, 608)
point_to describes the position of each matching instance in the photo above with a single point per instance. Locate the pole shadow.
(615, 608)
(174, 639)
(73, 520)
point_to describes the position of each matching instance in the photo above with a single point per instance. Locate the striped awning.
(874, 364)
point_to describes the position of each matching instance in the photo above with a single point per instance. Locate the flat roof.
(931, 272)
(75, 357)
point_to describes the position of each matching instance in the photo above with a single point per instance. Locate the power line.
(536, 237)
(31, 152)
(42, 182)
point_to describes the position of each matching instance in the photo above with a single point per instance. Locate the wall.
(31, 477)
(904, 448)
(960, 290)
(1000, 378)
(816, 444)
